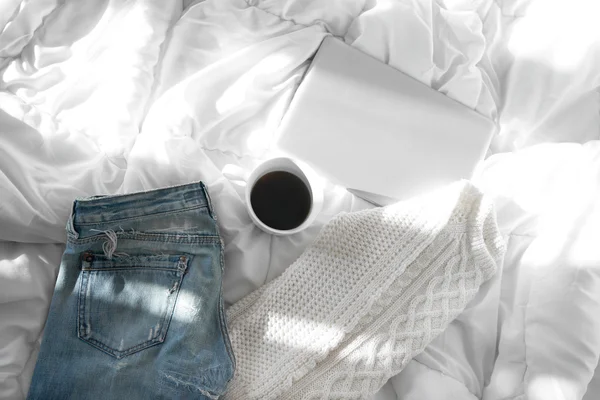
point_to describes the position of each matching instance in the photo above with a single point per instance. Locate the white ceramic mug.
(297, 168)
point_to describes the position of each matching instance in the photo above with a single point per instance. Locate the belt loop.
(71, 223)
(211, 211)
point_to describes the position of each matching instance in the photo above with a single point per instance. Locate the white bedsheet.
(118, 96)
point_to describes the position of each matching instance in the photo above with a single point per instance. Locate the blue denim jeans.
(137, 311)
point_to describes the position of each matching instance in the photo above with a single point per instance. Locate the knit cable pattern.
(368, 295)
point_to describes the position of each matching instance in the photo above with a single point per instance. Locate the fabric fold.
(364, 298)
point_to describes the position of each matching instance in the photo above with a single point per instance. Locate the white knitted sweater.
(369, 294)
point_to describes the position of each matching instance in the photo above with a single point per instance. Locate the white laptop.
(378, 132)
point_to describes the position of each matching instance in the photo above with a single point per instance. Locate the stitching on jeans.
(124, 353)
(108, 269)
(137, 262)
(80, 306)
(155, 237)
(222, 321)
(142, 216)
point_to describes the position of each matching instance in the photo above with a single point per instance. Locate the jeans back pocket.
(126, 303)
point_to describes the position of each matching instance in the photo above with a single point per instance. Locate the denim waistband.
(100, 209)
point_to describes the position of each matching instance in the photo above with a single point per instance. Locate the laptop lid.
(371, 128)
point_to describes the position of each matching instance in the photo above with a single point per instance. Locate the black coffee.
(280, 200)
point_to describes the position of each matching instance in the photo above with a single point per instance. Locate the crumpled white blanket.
(110, 96)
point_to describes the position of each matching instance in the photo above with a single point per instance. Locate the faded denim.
(137, 311)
